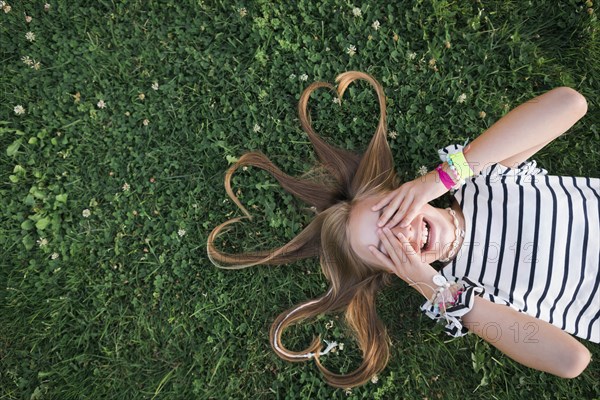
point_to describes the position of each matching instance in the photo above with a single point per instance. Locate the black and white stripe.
(532, 241)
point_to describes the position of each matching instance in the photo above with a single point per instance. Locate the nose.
(409, 232)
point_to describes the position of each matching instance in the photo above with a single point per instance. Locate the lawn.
(118, 119)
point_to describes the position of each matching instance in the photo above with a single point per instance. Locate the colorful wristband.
(454, 171)
(450, 302)
(444, 177)
(462, 167)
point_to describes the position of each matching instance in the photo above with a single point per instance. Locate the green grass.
(122, 304)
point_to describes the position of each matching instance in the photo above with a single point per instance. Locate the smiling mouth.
(425, 236)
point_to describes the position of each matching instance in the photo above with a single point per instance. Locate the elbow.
(572, 99)
(574, 363)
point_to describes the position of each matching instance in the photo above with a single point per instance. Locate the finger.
(391, 210)
(383, 259)
(383, 202)
(401, 244)
(410, 215)
(400, 213)
(406, 221)
(386, 215)
(407, 247)
(403, 254)
(399, 216)
(391, 244)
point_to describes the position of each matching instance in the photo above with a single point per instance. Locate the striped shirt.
(532, 241)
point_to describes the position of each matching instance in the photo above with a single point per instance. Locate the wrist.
(438, 188)
(422, 282)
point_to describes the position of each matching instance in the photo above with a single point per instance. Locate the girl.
(521, 247)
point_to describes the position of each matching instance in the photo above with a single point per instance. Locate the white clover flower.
(181, 232)
(19, 110)
(376, 25)
(374, 379)
(303, 77)
(327, 49)
(54, 256)
(351, 50)
(43, 242)
(101, 104)
(341, 346)
(292, 76)
(30, 36)
(36, 66)
(348, 391)
(392, 134)
(146, 122)
(357, 12)
(28, 18)
(337, 100)
(155, 86)
(461, 98)
(46, 7)
(243, 12)
(126, 187)
(412, 56)
(422, 171)
(482, 114)
(86, 213)
(256, 128)
(6, 8)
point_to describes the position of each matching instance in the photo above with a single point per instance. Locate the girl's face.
(430, 233)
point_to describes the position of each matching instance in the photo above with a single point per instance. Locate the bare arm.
(530, 341)
(526, 129)
(513, 139)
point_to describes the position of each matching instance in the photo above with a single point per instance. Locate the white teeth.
(424, 235)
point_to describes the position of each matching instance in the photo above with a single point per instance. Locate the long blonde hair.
(353, 283)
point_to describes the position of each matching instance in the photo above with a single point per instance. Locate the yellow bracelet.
(462, 167)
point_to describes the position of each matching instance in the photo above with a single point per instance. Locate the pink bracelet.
(444, 177)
